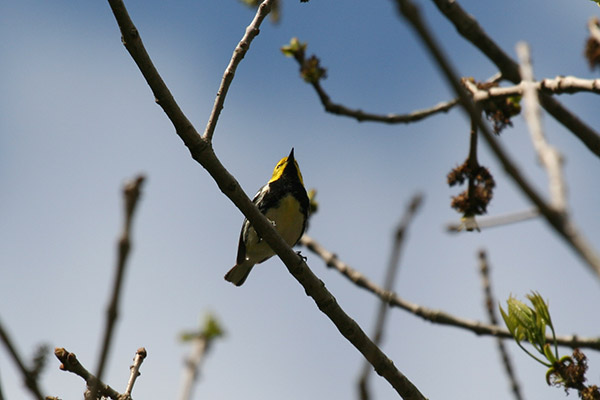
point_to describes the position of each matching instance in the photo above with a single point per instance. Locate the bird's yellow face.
(280, 167)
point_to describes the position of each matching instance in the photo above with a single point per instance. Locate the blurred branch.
(562, 226)
(550, 158)
(429, 314)
(390, 278)
(96, 388)
(201, 150)
(29, 377)
(131, 194)
(498, 220)
(469, 28)
(201, 341)
(490, 307)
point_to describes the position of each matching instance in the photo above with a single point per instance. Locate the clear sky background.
(77, 120)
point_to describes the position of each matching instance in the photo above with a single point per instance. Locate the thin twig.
(29, 378)
(96, 388)
(495, 221)
(360, 115)
(548, 155)
(140, 355)
(469, 28)
(429, 314)
(202, 151)
(563, 227)
(131, 194)
(238, 54)
(389, 280)
(491, 309)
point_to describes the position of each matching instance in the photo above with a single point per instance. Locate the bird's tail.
(238, 274)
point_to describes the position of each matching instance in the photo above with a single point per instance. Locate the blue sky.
(77, 120)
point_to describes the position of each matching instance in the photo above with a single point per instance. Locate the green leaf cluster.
(530, 323)
(210, 329)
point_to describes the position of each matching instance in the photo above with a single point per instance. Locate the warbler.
(283, 200)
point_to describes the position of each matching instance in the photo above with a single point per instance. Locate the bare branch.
(238, 54)
(131, 194)
(498, 220)
(389, 280)
(140, 355)
(29, 377)
(361, 116)
(470, 29)
(548, 155)
(96, 388)
(133, 43)
(313, 73)
(201, 150)
(558, 85)
(429, 314)
(490, 307)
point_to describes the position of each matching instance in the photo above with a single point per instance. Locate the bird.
(283, 200)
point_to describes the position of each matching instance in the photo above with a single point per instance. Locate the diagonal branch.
(29, 378)
(389, 280)
(429, 314)
(238, 54)
(202, 151)
(470, 29)
(492, 310)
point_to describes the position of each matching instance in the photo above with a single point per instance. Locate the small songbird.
(283, 200)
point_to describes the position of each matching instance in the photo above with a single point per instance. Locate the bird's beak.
(291, 156)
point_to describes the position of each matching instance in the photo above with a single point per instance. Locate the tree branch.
(238, 54)
(29, 378)
(140, 356)
(202, 151)
(498, 220)
(390, 278)
(360, 116)
(491, 309)
(550, 158)
(558, 85)
(429, 314)
(469, 28)
(131, 194)
(96, 388)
